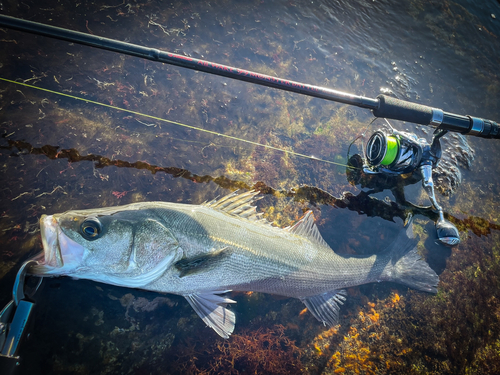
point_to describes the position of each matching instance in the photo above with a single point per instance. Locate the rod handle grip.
(397, 109)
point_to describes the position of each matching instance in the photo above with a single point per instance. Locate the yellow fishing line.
(175, 123)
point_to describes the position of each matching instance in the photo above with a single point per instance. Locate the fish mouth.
(60, 253)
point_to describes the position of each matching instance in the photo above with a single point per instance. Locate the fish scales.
(264, 252)
(272, 260)
(203, 251)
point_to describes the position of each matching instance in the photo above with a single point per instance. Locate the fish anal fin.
(211, 308)
(306, 227)
(325, 307)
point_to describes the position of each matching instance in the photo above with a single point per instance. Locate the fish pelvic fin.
(325, 307)
(406, 266)
(211, 307)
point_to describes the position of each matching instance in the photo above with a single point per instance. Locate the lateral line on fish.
(231, 243)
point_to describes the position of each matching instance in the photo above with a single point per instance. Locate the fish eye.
(91, 229)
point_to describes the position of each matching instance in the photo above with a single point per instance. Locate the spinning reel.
(394, 153)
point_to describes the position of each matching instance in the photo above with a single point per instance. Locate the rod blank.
(382, 106)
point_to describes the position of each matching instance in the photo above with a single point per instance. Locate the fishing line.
(177, 123)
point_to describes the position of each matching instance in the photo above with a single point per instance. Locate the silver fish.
(204, 251)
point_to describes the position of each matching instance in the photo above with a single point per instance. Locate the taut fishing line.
(177, 123)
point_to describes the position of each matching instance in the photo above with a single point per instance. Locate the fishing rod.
(383, 106)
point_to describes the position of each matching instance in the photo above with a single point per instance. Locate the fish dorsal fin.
(237, 204)
(325, 307)
(306, 227)
(211, 308)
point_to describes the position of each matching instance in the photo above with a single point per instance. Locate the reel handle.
(447, 233)
(398, 109)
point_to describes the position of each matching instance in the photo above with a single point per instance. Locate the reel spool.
(396, 153)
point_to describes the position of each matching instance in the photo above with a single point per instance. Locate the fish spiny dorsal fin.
(237, 204)
(306, 227)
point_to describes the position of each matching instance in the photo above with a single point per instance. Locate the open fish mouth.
(60, 253)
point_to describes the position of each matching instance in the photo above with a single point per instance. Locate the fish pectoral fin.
(325, 307)
(211, 308)
(202, 263)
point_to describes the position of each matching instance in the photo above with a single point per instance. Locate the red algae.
(263, 351)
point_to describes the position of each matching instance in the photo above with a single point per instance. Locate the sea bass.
(204, 251)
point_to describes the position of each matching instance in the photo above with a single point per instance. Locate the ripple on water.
(457, 154)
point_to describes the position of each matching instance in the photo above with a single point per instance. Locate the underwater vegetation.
(265, 350)
(261, 351)
(456, 331)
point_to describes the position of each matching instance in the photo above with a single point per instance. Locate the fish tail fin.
(407, 267)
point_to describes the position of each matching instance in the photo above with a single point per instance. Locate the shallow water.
(58, 153)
